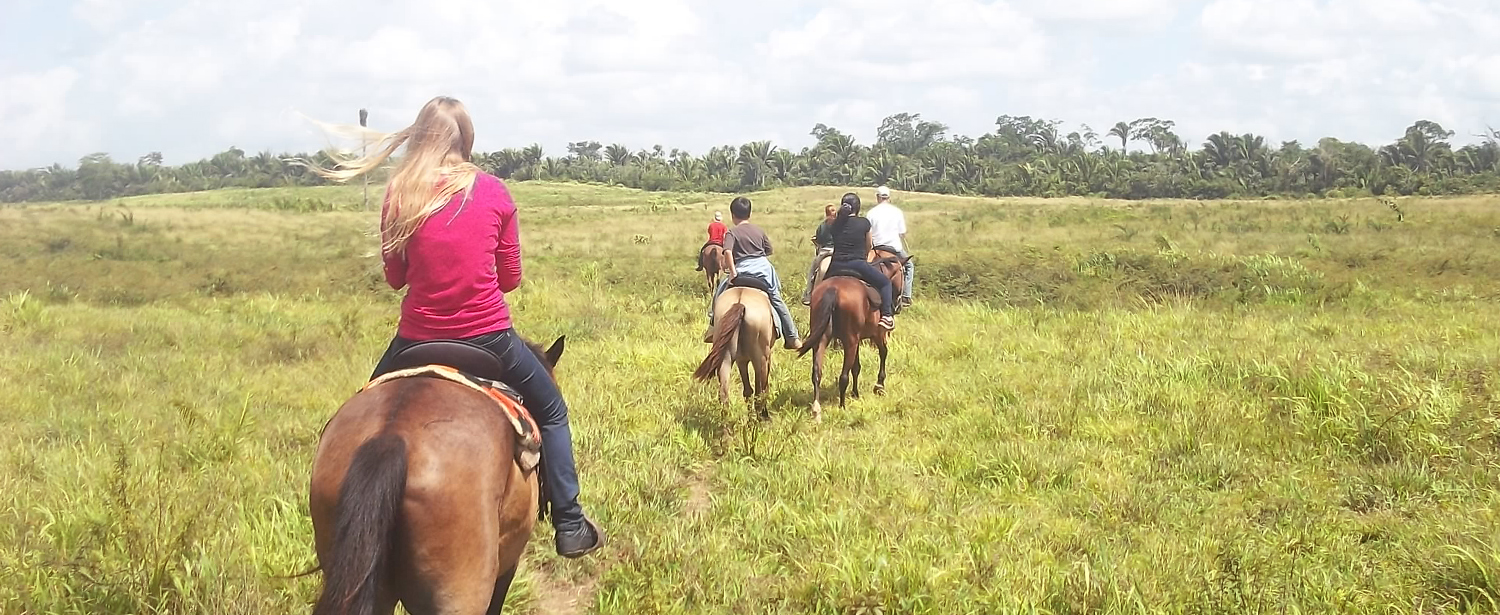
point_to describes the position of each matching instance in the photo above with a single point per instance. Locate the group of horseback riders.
(451, 238)
(844, 238)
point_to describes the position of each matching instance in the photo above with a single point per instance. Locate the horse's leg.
(854, 375)
(763, 380)
(726, 369)
(502, 587)
(745, 387)
(819, 355)
(851, 356)
(880, 344)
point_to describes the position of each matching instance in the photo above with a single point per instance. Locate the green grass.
(1095, 406)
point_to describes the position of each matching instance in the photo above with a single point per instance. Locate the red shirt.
(458, 266)
(716, 231)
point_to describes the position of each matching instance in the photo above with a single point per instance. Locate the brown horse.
(711, 258)
(416, 497)
(846, 309)
(743, 335)
(879, 253)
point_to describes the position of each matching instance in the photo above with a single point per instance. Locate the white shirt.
(887, 225)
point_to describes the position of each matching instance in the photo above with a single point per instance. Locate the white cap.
(718, 216)
(882, 191)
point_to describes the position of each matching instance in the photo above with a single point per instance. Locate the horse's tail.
(369, 500)
(729, 326)
(824, 305)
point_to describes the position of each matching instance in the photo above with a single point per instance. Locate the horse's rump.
(708, 256)
(528, 435)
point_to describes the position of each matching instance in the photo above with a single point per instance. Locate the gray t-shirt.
(745, 240)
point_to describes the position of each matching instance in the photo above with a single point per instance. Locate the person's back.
(716, 231)
(451, 266)
(746, 240)
(887, 225)
(851, 239)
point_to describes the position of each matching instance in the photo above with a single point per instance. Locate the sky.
(190, 78)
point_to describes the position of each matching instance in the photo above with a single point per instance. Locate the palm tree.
(1121, 131)
(618, 155)
(532, 155)
(755, 164)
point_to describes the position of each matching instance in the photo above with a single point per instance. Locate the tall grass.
(1163, 407)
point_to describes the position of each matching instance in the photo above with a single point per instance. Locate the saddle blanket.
(529, 453)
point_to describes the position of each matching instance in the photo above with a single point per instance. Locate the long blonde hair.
(436, 166)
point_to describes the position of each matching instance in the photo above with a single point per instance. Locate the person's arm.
(729, 255)
(870, 245)
(768, 245)
(394, 262)
(508, 252)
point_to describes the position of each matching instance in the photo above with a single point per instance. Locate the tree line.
(1023, 156)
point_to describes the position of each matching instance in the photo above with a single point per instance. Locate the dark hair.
(740, 208)
(847, 208)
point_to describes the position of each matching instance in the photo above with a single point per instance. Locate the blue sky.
(190, 78)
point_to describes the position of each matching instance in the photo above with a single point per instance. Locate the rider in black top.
(851, 249)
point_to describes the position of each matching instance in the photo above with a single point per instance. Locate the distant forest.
(1023, 156)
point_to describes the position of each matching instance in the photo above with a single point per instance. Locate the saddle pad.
(528, 436)
(750, 280)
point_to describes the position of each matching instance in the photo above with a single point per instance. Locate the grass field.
(1093, 407)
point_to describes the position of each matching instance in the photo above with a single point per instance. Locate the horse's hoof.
(879, 390)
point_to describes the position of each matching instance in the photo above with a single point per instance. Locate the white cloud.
(32, 112)
(1110, 12)
(193, 78)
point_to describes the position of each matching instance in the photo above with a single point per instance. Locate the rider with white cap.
(888, 229)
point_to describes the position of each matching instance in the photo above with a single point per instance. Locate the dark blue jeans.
(525, 373)
(872, 276)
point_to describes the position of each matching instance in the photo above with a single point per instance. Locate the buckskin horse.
(744, 332)
(847, 310)
(711, 258)
(417, 495)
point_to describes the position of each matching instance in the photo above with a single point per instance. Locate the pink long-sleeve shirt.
(458, 266)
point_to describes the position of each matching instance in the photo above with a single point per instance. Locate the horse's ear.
(555, 352)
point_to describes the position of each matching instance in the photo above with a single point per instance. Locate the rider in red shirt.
(716, 231)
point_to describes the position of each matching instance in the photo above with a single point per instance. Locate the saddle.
(750, 280)
(476, 368)
(871, 295)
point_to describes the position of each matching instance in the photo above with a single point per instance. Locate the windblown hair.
(435, 167)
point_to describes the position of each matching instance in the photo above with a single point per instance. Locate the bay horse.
(846, 310)
(883, 252)
(744, 332)
(711, 259)
(417, 497)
